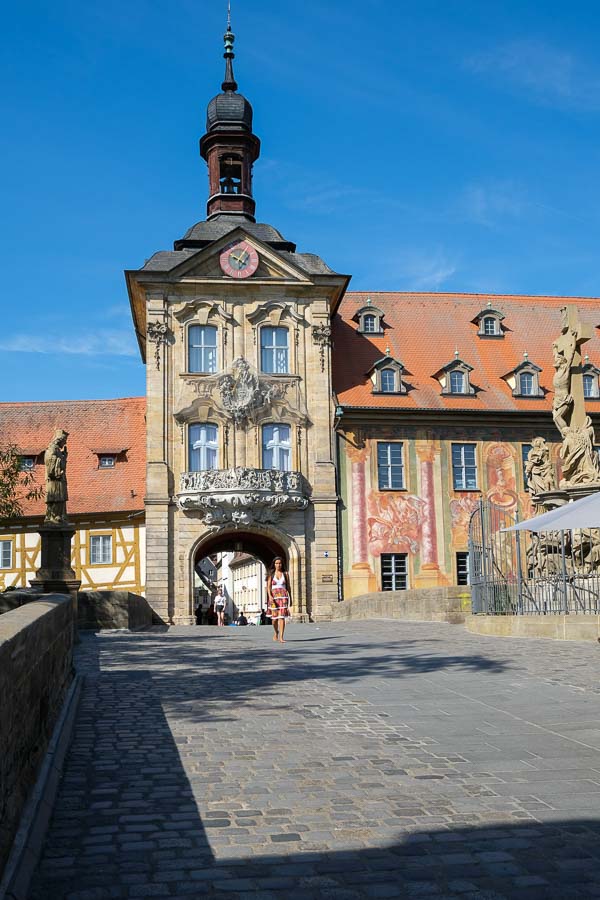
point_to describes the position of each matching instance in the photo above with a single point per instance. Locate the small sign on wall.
(327, 579)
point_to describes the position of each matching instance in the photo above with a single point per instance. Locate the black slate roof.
(204, 233)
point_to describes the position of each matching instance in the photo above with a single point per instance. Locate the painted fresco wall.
(428, 520)
(125, 572)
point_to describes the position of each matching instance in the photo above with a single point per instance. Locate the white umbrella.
(584, 513)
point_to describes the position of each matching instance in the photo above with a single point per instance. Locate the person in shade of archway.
(220, 602)
(279, 595)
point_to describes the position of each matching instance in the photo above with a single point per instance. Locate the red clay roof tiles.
(423, 330)
(91, 424)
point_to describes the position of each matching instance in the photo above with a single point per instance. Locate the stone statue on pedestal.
(55, 460)
(580, 464)
(56, 574)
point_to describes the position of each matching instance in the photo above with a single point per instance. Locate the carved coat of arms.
(241, 391)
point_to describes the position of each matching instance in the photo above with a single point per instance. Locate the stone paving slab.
(360, 760)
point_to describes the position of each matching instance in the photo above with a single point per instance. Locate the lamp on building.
(339, 412)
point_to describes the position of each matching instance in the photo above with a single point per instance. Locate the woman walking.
(220, 602)
(279, 595)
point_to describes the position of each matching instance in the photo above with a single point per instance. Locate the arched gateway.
(234, 326)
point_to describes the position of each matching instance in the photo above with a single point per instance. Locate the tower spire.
(229, 84)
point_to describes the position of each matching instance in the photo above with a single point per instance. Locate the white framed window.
(203, 447)
(202, 348)
(106, 461)
(276, 448)
(274, 350)
(490, 325)
(394, 572)
(390, 466)
(464, 467)
(388, 381)
(6, 554)
(462, 568)
(27, 463)
(590, 386)
(369, 323)
(526, 384)
(100, 549)
(457, 382)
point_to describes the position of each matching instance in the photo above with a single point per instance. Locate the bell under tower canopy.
(229, 146)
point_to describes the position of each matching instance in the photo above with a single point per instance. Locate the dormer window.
(488, 321)
(386, 376)
(388, 381)
(591, 389)
(454, 378)
(526, 384)
(490, 325)
(107, 455)
(27, 463)
(369, 318)
(525, 379)
(457, 382)
(369, 324)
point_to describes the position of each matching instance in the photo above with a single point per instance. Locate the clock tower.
(234, 326)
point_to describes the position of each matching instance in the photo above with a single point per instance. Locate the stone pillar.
(55, 575)
(429, 574)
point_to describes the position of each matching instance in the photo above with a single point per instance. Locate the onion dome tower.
(229, 146)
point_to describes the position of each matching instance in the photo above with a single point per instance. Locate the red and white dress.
(280, 604)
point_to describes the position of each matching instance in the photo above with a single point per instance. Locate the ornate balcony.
(242, 495)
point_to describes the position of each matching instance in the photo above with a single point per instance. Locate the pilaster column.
(429, 574)
(358, 456)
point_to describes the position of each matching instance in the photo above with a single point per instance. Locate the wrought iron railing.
(528, 573)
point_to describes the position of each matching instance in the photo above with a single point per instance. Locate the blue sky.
(416, 145)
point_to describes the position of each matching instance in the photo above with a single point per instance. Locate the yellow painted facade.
(125, 571)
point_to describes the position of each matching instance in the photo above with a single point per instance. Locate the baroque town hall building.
(351, 433)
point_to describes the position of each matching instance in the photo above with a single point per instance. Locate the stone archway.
(261, 544)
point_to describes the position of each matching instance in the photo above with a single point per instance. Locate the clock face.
(239, 260)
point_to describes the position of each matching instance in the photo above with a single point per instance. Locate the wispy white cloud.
(487, 203)
(549, 75)
(427, 271)
(103, 342)
(411, 269)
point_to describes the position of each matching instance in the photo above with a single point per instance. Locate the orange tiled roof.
(108, 426)
(423, 331)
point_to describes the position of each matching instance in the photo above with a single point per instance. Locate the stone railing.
(36, 651)
(242, 495)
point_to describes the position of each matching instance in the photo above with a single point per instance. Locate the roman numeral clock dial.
(239, 260)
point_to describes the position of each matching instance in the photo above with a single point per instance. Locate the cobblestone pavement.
(360, 760)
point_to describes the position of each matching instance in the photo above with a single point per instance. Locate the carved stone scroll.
(158, 333)
(322, 336)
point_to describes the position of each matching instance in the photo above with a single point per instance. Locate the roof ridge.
(477, 294)
(5, 403)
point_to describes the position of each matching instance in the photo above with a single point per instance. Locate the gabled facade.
(234, 328)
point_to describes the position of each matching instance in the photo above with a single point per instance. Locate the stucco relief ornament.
(322, 336)
(241, 496)
(242, 392)
(157, 334)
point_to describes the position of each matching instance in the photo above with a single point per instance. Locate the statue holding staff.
(55, 460)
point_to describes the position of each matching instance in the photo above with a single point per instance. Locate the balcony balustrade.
(242, 495)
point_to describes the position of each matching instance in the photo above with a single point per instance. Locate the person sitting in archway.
(280, 598)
